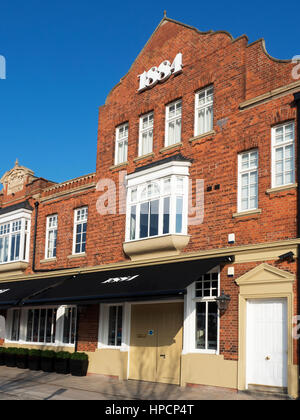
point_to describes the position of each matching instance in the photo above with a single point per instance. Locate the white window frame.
(173, 119)
(157, 175)
(59, 330)
(51, 228)
(148, 131)
(284, 145)
(123, 140)
(247, 171)
(189, 327)
(80, 218)
(208, 104)
(104, 326)
(23, 218)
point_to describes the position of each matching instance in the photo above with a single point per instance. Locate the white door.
(267, 342)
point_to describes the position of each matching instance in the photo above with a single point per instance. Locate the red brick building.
(177, 260)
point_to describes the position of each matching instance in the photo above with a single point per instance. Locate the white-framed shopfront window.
(114, 326)
(45, 326)
(15, 236)
(202, 318)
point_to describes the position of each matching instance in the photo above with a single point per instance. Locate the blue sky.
(63, 57)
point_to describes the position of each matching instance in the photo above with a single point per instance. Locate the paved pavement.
(18, 384)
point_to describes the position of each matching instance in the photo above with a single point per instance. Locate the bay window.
(14, 237)
(157, 205)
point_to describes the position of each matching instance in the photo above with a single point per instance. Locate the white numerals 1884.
(149, 78)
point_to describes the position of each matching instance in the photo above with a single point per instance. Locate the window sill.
(119, 165)
(171, 147)
(31, 343)
(147, 156)
(281, 188)
(198, 351)
(157, 247)
(247, 213)
(106, 347)
(48, 260)
(201, 138)
(82, 255)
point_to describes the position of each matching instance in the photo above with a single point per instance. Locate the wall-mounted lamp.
(288, 256)
(223, 301)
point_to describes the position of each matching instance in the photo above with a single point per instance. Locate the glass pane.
(154, 217)
(144, 220)
(209, 119)
(200, 325)
(171, 133)
(112, 325)
(29, 325)
(54, 325)
(201, 121)
(15, 325)
(119, 325)
(212, 326)
(67, 325)
(166, 216)
(42, 326)
(49, 325)
(179, 209)
(132, 222)
(73, 326)
(36, 318)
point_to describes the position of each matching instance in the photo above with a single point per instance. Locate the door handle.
(267, 358)
(162, 355)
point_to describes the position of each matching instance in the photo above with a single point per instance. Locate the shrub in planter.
(10, 356)
(79, 364)
(2, 356)
(22, 358)
(34, 359)
(47, 360)
(62, 362)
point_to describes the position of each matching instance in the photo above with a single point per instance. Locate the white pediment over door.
(265, 273)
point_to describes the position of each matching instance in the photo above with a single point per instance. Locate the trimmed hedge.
(79, 356)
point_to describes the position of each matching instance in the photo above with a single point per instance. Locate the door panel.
(267, 342)
(156, 342)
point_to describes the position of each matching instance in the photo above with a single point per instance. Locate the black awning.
(161, 280)
(14, 292)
